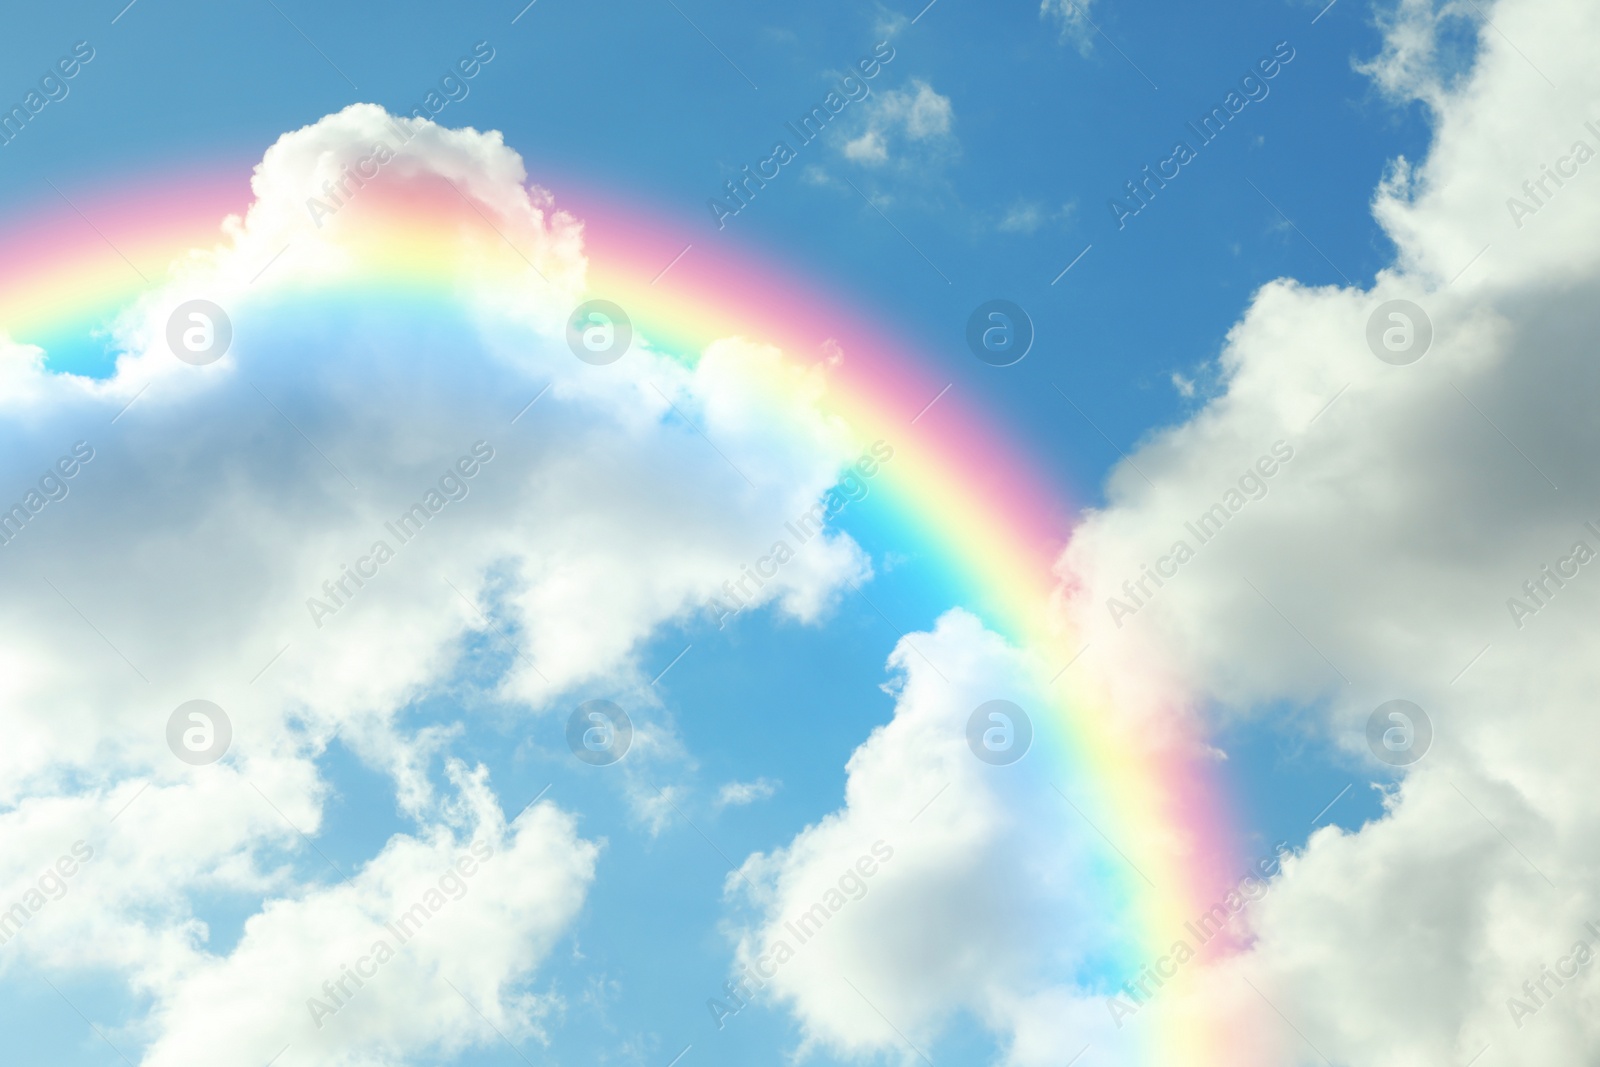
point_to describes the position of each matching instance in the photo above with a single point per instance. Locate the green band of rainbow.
(956, 483)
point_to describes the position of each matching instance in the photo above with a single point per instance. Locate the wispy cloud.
(1073, 18)
(904, 125)
(1031, 216)
(738, 794)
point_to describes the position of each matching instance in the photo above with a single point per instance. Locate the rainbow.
(959, 490)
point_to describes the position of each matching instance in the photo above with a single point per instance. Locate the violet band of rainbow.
(958, 481)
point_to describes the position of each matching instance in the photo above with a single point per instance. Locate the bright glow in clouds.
(943, 886)
(1457, 925)
(1416, 507)
(1073, 18)
(919, 117)
(399, 462)
(224, 498)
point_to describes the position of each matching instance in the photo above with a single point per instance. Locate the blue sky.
(1037, 124)
(1034, 130)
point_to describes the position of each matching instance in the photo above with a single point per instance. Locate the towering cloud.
(227, 494)
(1422, 497)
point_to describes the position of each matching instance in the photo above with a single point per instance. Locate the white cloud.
(1023, 218)
(476, 907)
(1379, 564)
(929, 839)
(739, 794)
(1030, 216)
(1072, 16)
(906, 126)
(1375, 562)
(1392, 540)
(180, 563)
(1427, 48)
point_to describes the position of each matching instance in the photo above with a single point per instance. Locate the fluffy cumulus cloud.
(905, 127)
(1353, 530)
(1030, 216)
(373, 969)
(944, 887)
(1337, 530)
(201, 545)
(1340, 526)
(1071, 18)
(738, 794)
